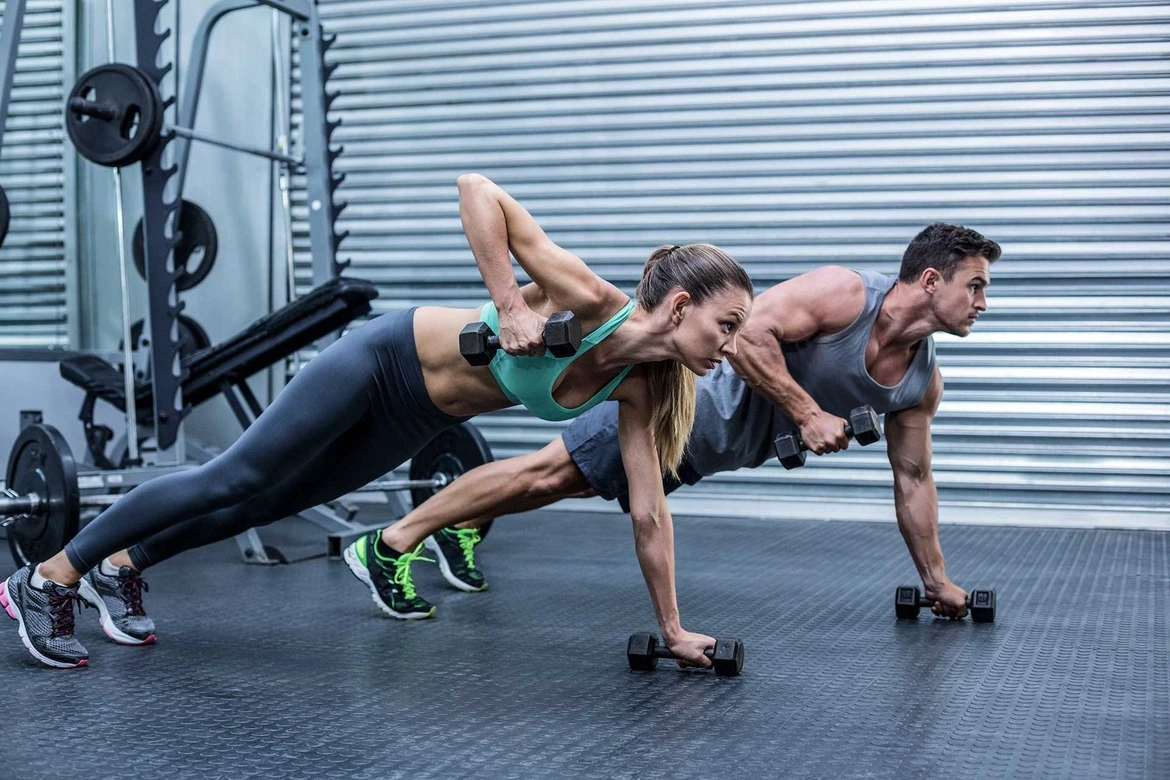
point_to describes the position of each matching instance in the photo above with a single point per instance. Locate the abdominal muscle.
(454, 385)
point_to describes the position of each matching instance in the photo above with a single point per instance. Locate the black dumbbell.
(643, 652)
(562, 336)
(908, 600)
(863, 426)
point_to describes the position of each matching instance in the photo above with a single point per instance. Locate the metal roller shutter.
(797, 134)
(34, 291)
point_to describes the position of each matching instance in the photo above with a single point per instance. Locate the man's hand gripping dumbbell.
(863, 426)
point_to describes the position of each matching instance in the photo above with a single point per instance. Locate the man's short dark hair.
(944, 247)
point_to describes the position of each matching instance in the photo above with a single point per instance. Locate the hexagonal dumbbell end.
(727, 658)
(562, 334)
(640, 652)
(906, 601)
(982, 605)
(477, 343)
(789, 450)
(864, 425)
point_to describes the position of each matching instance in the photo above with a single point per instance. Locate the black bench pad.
(273, 337)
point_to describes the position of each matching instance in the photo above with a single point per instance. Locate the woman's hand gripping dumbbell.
(562, 337)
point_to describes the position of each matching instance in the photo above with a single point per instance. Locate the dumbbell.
(643, 652)
(863, 426)
(562, 337)
(908, 600)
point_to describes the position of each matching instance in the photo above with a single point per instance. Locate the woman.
(372, 399)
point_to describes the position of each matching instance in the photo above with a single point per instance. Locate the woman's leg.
(360, 455)
(324, 400)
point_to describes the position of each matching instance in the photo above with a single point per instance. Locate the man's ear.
(930, 280)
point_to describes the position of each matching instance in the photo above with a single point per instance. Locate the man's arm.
(916, 497)
(825, 300)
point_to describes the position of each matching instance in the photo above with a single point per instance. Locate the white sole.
(92, 598)
(445, 568)
(14, 612)
(357, 569)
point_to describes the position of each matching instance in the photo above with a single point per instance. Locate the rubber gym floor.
(292, 672)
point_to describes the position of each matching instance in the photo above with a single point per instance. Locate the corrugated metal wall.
(34, 308)
(797, 134)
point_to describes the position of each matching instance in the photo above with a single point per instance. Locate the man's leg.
(584, 461)
(502, 487)
(484, 493)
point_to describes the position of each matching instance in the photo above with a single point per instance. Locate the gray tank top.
(735, 427)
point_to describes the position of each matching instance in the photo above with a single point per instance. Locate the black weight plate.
(192, 336)
(134, 130)
(5, 215)
(453, 452)
(42, 463)
(197, 239)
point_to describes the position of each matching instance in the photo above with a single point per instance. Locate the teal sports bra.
(529, 380)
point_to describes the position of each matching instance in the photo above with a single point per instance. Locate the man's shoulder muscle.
(823, 300)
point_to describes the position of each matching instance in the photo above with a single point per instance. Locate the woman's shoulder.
(600, 302)
(634, 388)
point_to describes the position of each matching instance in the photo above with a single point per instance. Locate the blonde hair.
(701, 270)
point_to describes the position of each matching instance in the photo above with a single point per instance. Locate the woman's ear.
(680, 302)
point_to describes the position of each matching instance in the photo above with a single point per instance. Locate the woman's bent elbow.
(470, 181)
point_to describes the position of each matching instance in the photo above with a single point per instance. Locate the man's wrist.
(801, 413)
(671, 630)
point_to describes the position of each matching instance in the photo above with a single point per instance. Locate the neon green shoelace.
(468, 538)
(402, 571)
(402, 563)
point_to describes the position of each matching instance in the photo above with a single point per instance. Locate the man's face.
(959, 302)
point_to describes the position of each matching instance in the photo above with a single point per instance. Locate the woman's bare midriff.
(454, 385)
(460, 389)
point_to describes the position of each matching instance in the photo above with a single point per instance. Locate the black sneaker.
(455, 550)
(389, 579)
(119, 603)
(45, 619)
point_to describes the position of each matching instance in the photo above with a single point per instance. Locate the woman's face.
(705, 332)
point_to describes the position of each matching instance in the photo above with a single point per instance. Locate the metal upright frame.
(162, 196)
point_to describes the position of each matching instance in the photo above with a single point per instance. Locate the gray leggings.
(357, 411)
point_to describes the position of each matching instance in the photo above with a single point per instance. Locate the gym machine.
(115, 116)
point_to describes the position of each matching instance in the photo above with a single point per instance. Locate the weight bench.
(223, 369)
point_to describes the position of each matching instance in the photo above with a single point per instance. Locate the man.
(815, 347)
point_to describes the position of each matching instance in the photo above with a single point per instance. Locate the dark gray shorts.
(592, 442)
